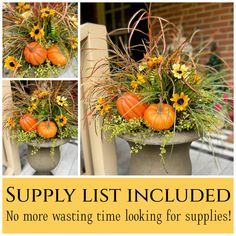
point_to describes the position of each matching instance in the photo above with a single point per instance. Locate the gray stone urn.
(176, 161)
(42, 161)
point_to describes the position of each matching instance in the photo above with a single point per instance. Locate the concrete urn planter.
(148, 161)
(42, 162)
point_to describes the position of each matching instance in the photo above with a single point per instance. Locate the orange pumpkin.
(28, 122)
(35, 53)
(159, 116)
(57, 56)
(129, 106)
(47, 129)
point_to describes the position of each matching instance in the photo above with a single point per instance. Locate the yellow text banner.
(117, 205)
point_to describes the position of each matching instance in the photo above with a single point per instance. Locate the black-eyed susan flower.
(102, 106)
(100, 103)
(73, 42)
(61, 120)
(180, 71)
(62, 101)
(22, 6)
(10, 123)
(180, 101)
(105, 109)
(47, 12)
(11, 63)
(37, 33)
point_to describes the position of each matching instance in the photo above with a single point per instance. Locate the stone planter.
(148, 161)
(42, 162)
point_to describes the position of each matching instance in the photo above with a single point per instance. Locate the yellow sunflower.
(62, 101)
(61, 120)
(180, 71)
(100, 103)
(11, 63)
(102, 106)
(105, 109)
(10, 123)
(47, 12)
(180, 102)
(37, 33)
(22, 6)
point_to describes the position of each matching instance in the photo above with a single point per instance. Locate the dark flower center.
(36, 31)
(61, 120)
(179, 72)
(180, 101)
(47, 12)
(12, 64)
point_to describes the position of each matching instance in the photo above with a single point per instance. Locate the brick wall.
(213, 19)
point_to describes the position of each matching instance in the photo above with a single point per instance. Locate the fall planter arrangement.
(161, 102)
(39, 39)
(44, 116)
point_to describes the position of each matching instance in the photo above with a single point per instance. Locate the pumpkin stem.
(159, 110)
(48, 122)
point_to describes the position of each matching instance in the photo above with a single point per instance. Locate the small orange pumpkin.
(129, 106)
(35, 53)
(47, 129)
(56, 56)
(28, 122)
(159, 116)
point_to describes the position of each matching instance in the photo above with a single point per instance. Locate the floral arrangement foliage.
(39, 39)
(169, 90)
(41, 111)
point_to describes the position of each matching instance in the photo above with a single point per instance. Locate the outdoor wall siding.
(213, 19)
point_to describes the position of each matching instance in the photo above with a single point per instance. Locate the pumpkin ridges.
(127, 106)
(159, 120)
(47, 129)
(38, 56)
(128, 110)
(28, 122)
(56, 56)
(136, 108)
(32, 50)
(122, 109)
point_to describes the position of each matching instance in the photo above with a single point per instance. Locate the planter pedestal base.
(42, 162)
(176, 160)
